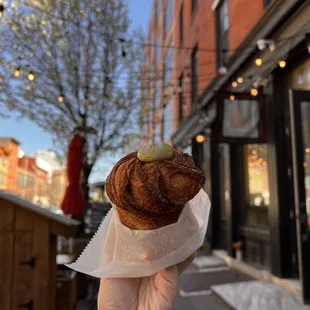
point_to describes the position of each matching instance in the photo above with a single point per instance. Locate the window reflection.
(258, 196)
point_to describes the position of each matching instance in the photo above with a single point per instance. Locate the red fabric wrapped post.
(73, 203)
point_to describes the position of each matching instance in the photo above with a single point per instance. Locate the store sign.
(241, 120)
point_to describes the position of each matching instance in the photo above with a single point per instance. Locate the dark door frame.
(303, 234)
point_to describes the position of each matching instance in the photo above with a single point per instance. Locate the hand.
(156, 292)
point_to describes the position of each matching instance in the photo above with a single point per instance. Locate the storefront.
(256, 153)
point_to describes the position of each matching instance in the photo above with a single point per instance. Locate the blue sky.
(31, 136)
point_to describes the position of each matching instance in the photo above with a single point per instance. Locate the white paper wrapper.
(115, 251)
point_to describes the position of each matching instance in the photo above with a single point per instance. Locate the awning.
(194, 125)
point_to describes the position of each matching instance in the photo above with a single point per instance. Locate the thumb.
(183, 266)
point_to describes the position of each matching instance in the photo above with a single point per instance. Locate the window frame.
(181, 25)
(181, 101)
(194, 76)
(222, 34)
(194, 5)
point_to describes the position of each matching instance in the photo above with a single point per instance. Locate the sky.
(32, 138)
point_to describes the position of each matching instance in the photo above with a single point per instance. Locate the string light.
(223, 70)
(258, 62)
(200, 138)
(240, 80)
(17, 72)
(31, 76)
(60, 98)
(232, 97)
(282, 63)
(254, 92)
(2, 8)
(234, 84)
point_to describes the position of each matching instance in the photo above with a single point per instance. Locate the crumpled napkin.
(116, 251)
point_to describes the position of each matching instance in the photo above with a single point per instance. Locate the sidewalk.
(196, 284)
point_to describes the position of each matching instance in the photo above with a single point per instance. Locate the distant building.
(58, 186)
(40, 178)
(48, 161)
(9, 149)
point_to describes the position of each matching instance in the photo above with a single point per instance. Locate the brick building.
(24, 175)
(238, 99)
(9, 148)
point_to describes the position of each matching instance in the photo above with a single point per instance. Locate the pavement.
(208, 284)
(195, 285)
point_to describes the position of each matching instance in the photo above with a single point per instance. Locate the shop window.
(222, 33)
(167, 122)
(300, 78)
(194, 63)
(257, 185)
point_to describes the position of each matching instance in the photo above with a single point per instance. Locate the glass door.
(300, 129)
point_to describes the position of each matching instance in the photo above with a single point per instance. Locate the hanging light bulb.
(234, 84)
(258, 62)
(282, 63)
(200, 138)
(60, 98)
(31, 76)
(240, 80)
(232, 97)
(17, 72)
(2, 8)
(223, 70)
(254, 92)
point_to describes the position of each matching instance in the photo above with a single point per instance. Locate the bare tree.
(72, 66)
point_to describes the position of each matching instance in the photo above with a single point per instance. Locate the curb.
(256, 273)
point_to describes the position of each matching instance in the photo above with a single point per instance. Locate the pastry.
(150, 188)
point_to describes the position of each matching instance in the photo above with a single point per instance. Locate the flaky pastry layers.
(150, 195)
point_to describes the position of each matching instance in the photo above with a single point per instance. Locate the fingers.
(183, 266)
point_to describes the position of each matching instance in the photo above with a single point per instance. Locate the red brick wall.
(198, 30)
(243, 15)
(11, 178)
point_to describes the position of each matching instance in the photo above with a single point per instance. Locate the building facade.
(38, 178)
(245, 119)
